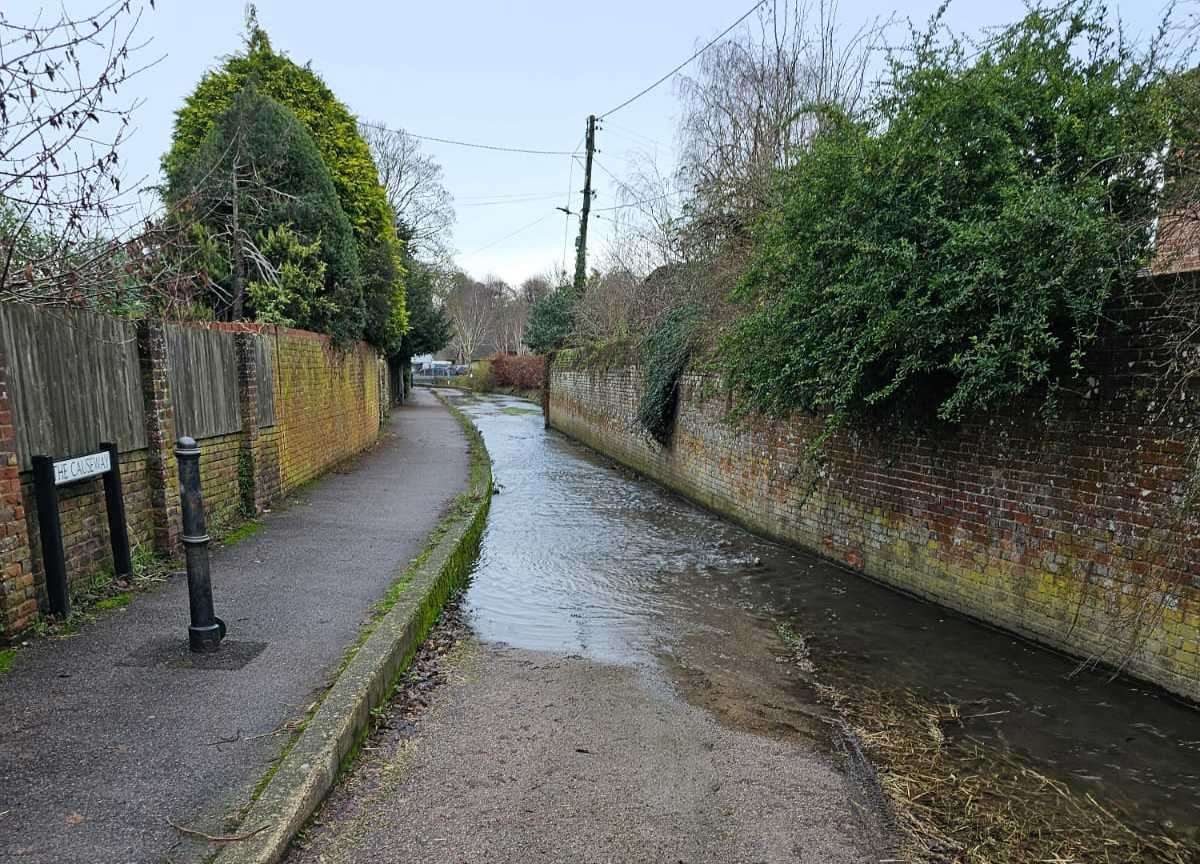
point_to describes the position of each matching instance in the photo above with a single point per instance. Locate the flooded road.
(581, 557)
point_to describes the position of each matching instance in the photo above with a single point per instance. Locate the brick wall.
(18, 598)
(328, 406)
(220, 458)
(84, 520)
(1069, 532)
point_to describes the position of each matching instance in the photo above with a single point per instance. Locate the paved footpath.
(109, 737)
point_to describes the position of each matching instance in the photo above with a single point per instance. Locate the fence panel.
(265, 366)
(74, 381)
(202, 375)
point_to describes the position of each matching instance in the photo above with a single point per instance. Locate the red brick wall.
(18, 603)
(1068, 532)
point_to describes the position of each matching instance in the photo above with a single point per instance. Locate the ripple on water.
(580, 557)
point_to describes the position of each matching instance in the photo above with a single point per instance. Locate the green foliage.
(963, 249)
(288, 301)
(335, 133)
(429, 329)
(386, 295)
(479, 377)
(258, 153)
(551, 320)
(665, 354)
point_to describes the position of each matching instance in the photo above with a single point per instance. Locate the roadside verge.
(328, 739)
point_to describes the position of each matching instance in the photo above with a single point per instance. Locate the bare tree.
(512, 314)
(471, 308)
(756, 101)
(60, 133)
(535, 288)
(648, 225)
(413, 181)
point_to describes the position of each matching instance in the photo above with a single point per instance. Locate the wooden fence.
(203, 376)
(78, 383)
(264, 349)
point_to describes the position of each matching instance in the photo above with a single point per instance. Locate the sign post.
(48, 475)
(54, 562)
(114, 503)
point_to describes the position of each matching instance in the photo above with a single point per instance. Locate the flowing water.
(581, 556)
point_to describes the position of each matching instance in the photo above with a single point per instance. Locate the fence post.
(18, 599)
(160, 435)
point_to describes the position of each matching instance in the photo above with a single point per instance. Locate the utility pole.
(581, 243)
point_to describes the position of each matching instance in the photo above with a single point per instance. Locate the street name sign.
(81, 468)
(50, 473)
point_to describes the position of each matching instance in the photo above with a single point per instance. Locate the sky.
(514, 73)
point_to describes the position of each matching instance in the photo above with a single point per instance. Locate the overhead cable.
(514, 233)
(494, 147)
(718, 38)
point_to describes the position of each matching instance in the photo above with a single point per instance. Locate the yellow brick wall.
(327, 402)
(219, 478)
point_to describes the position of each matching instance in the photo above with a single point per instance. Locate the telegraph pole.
(581, 243)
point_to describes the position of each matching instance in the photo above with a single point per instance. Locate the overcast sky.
(523, 73)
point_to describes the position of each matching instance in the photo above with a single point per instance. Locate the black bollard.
(206, 630)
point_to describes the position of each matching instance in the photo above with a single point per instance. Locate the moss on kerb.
(332, 732)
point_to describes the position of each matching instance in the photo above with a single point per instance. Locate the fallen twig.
(217, 838)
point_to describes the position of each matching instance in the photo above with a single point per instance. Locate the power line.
(528, 200)
(670, 194)
(499, 196)
(719, 37)
(632, 134)
(614, 177)
(513, 234)
(493, 147)
(567, 209)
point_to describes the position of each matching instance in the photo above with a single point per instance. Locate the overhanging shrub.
(964, 247)
(346, 155)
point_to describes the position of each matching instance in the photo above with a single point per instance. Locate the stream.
(581, 556)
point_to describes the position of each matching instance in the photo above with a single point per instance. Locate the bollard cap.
(185, 445)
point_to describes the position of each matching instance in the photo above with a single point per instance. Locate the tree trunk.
(238, 282)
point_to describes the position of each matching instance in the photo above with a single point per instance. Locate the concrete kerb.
(311, 764)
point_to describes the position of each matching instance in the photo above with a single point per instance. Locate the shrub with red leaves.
(524, 372)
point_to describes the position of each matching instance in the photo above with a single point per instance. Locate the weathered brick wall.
(84, 521)
(1070, 532)
(270, 484)
(18, 599)
(219, 478)
(328, 406)
(327, 402)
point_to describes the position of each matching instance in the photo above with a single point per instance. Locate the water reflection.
(582, 557)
